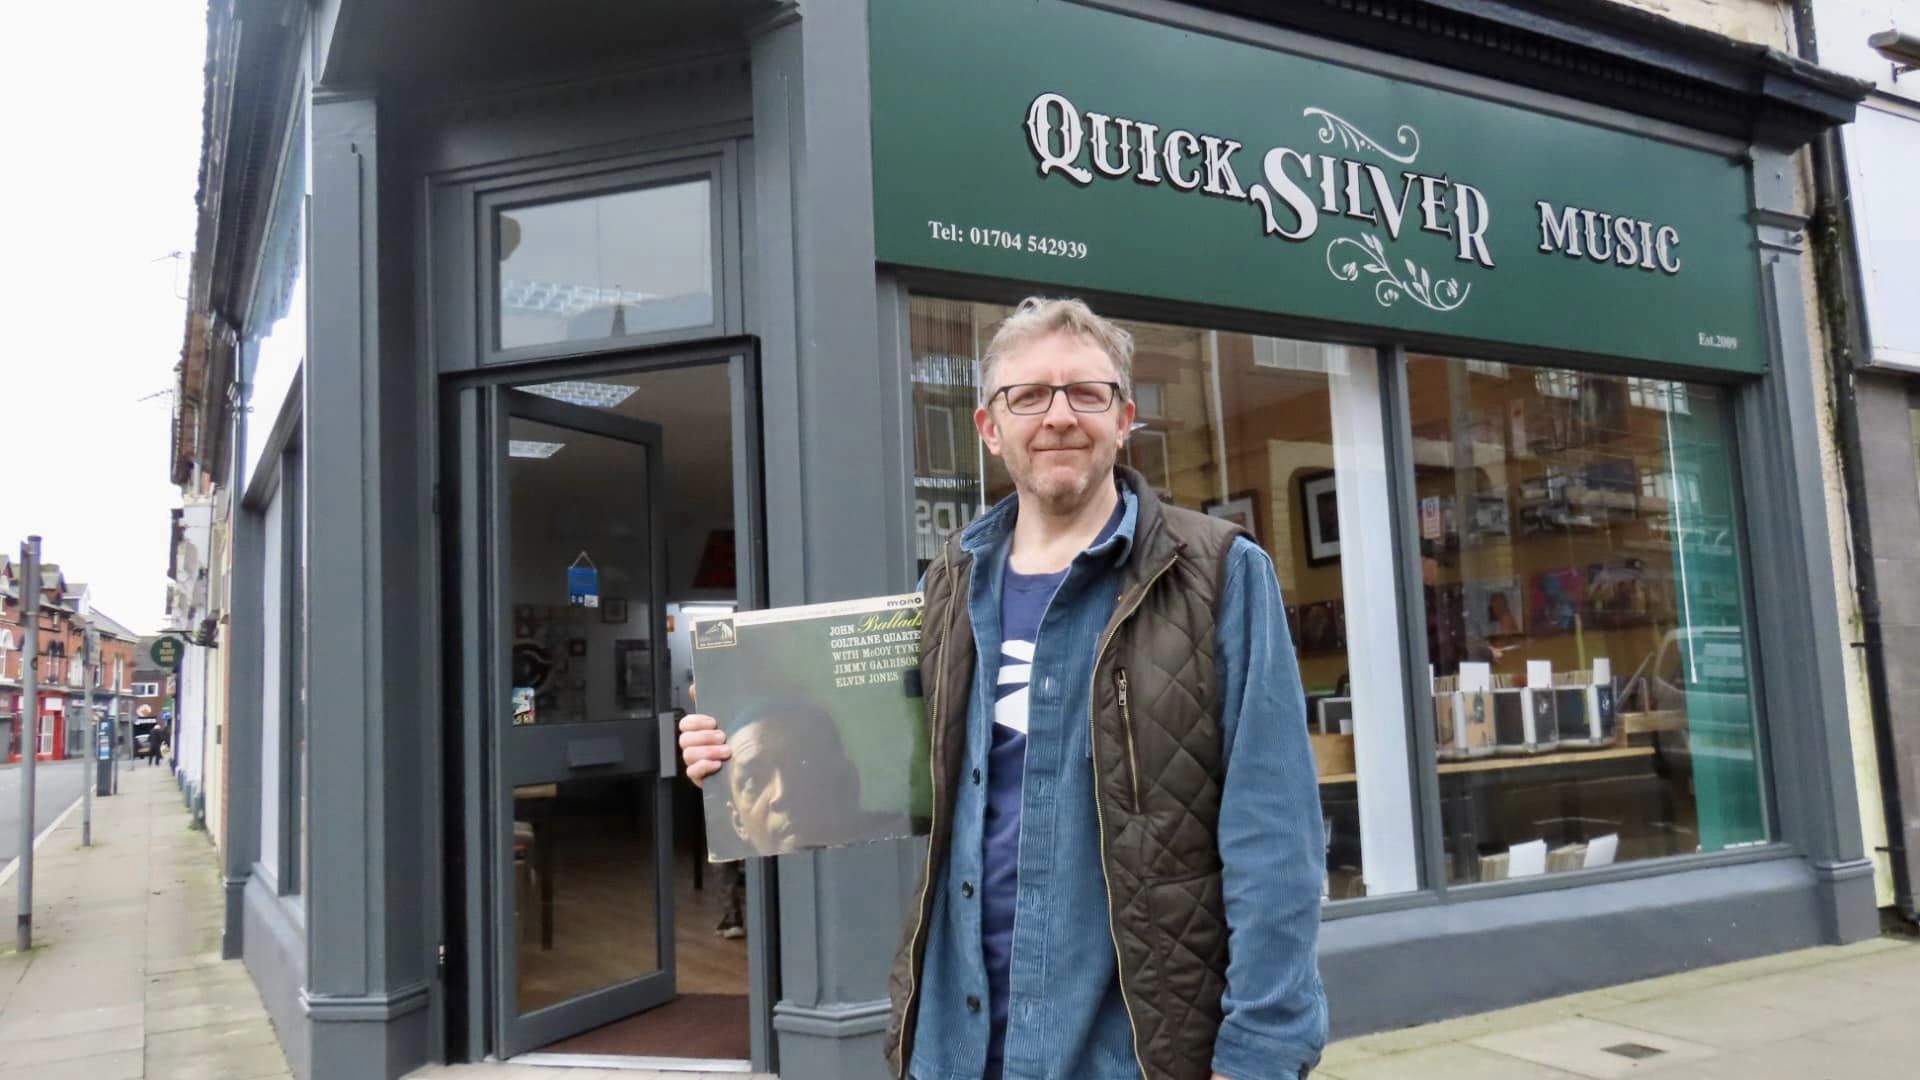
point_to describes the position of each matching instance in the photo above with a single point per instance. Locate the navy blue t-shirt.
(1023, 605)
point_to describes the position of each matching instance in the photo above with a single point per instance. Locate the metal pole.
(29, 731)
(113, 750)
(89, 756)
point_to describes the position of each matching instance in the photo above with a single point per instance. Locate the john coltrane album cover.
(821, 705)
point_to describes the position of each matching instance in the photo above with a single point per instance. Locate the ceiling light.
(596, 395)
(532, 448)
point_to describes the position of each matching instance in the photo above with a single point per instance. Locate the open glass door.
(582, 818)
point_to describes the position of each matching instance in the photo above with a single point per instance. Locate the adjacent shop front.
(1506, 366)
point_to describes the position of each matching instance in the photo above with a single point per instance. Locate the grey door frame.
(540, 754)
(474, 971)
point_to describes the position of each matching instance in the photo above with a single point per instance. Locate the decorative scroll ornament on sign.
(1353, 138)
(1388, 286)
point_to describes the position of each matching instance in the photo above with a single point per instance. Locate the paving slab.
(1453, 1061)
(69, 1022)
(1828, 1012)
(121, 1065)
(187, 1041)
(25, 1052)
(1593, 1048)
(248, 1062)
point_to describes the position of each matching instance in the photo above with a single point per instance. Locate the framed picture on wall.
(613, 610)
(633, 671)
(1320, 517)
(1556, 597)
(1490, 515)
(1242, 508)
(1493, 608)
(1323, 627)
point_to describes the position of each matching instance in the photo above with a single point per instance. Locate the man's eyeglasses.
(1032, 398)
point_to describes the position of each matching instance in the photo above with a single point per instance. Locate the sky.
(100, 120)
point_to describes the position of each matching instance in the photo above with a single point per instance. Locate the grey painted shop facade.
(368, 887)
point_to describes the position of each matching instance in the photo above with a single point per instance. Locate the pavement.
(1842, 1013)
(124, 980)
(56, 784)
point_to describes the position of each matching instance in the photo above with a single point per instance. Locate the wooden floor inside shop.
(603, 914)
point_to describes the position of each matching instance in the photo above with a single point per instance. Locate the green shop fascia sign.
(1043, 141)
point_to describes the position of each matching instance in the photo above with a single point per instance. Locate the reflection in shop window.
(1584, 618)
(1913, 421)
(1658, 394)
(937, 428)
(605, 266)
(1281, 437)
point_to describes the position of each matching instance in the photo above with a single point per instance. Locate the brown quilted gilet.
(1159, 770)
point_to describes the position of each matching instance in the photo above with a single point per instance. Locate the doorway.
(605, 503)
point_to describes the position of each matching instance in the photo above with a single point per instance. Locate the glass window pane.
(1584, 617)
(585, 905)
(1282, 437)
(1913, 417)
(581, 539)
(608, 266)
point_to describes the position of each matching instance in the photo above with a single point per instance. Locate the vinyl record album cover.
(822, 709)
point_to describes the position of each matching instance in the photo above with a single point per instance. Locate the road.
(55, 785)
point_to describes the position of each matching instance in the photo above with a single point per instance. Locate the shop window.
(1913, 420)
(294, 764)
(276, 326)
(283, 703)
(1284, 438)
(606, 266)
(1585, 620)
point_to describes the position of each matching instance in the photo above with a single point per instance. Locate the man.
(1126, 855)
(147, 742)
(792, 782)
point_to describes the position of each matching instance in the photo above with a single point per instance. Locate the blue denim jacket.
(1066, 1020)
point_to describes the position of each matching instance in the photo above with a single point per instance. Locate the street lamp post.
(86, 725)
(29, 732)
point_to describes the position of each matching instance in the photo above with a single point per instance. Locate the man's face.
(760, 813)
(1059, 457)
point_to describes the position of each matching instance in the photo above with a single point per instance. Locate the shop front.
(1493, 332)
(50, 744)
(1502, 383)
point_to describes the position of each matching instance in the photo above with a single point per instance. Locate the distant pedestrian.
(151, 748)
(155, 742)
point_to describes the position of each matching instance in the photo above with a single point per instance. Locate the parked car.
(1701, 674)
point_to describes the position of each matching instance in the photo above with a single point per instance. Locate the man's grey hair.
(1038, 317)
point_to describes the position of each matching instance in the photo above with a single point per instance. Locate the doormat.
(689, 1026)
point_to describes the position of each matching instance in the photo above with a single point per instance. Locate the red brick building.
(59, 731)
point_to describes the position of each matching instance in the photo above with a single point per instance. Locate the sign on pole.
(166, 652)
